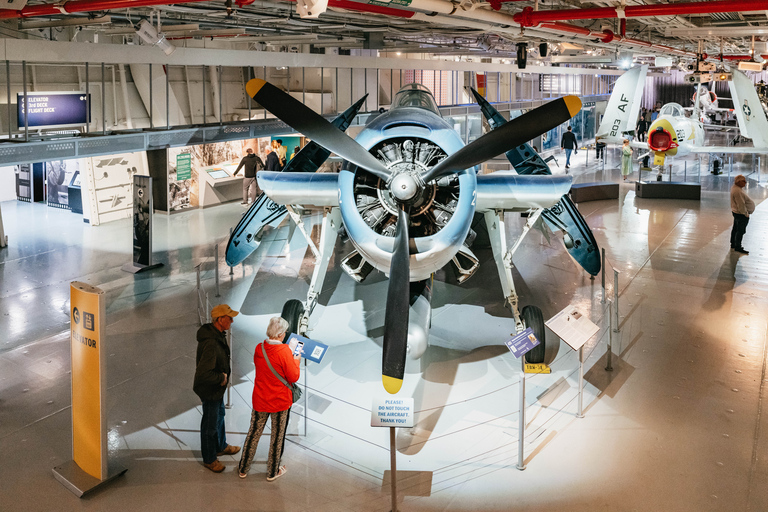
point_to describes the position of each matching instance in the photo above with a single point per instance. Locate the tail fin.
(623, 105)
(749, 111)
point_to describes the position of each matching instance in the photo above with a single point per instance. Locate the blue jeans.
(568, 156)
(212, 437)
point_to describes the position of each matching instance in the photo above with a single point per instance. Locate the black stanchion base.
(79, 482)
(135, 268)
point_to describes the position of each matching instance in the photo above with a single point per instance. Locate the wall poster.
(59, 174)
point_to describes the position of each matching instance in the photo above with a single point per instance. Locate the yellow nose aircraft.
(672, 133)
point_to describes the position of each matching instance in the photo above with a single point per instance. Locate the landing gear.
(533, 318)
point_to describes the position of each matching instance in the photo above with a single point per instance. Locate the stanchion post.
(616, 300)
(521, 428)
(609, 353)
(393, 469)
(580, 412)
(306, 398)
(602, 272)
(229, 381)
(216, 267)
(685, 170)
(231, 269)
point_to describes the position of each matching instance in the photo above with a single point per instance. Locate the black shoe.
(742, 250)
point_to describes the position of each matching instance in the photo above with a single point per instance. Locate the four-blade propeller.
(405, 188)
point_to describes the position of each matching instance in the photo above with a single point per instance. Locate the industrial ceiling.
(579, 32)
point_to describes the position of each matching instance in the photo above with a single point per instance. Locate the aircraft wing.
(304, 188)
(511, 191)
(623, 105)
(639, 145)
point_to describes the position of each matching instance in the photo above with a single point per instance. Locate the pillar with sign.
(143, 209)
(89, 467)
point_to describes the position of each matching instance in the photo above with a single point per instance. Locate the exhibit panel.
(107, 186)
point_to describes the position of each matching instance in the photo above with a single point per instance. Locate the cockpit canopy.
(672, 109)
(415, 95)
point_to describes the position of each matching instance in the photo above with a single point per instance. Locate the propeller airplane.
(407, 196)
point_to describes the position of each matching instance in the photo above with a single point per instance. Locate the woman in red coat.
(271, 398)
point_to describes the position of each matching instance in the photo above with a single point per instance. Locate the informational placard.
(142, 221)
(53, 109)
(572, 326)
(89, 443)
(312, 350)
(392, 412)
(522, 343)
(183, 166)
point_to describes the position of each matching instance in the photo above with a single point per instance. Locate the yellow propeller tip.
(253, 86)
(391, 384)
(573, 103)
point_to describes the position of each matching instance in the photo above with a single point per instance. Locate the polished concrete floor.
(677, 426)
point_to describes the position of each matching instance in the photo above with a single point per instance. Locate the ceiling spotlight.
(626, 63)
(149, 35)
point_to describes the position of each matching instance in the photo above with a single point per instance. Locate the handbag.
(295, 390)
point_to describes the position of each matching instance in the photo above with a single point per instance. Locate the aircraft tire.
(534, 318)
(292, 311)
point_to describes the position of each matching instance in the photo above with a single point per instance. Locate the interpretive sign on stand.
(392, 412)
(312, 350)
(522, 343)
(572, 326)
(89, 467)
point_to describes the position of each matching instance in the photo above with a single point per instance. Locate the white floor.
(677, 426)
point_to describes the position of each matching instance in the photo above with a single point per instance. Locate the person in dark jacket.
(569, 144)
(211, 376)
(273, 162)
(252, 164)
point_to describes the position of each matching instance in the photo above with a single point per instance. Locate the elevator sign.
(53, 109)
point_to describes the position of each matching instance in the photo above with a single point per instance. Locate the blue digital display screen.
(53, 109)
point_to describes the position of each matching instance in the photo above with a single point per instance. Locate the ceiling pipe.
(605, 36)
(75, 6)
(530, 18)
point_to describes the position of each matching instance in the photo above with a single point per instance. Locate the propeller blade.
(515, 132)
(396, 316)
(303, 119)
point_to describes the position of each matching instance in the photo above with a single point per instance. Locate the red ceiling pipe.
(605, 36)
(530, 18)
(375, 9)
(85, 6)
(741, 57)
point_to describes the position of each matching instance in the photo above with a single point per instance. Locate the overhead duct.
(531, 18)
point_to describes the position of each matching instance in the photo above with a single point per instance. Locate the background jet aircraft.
(407, 194)
(672, 133)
